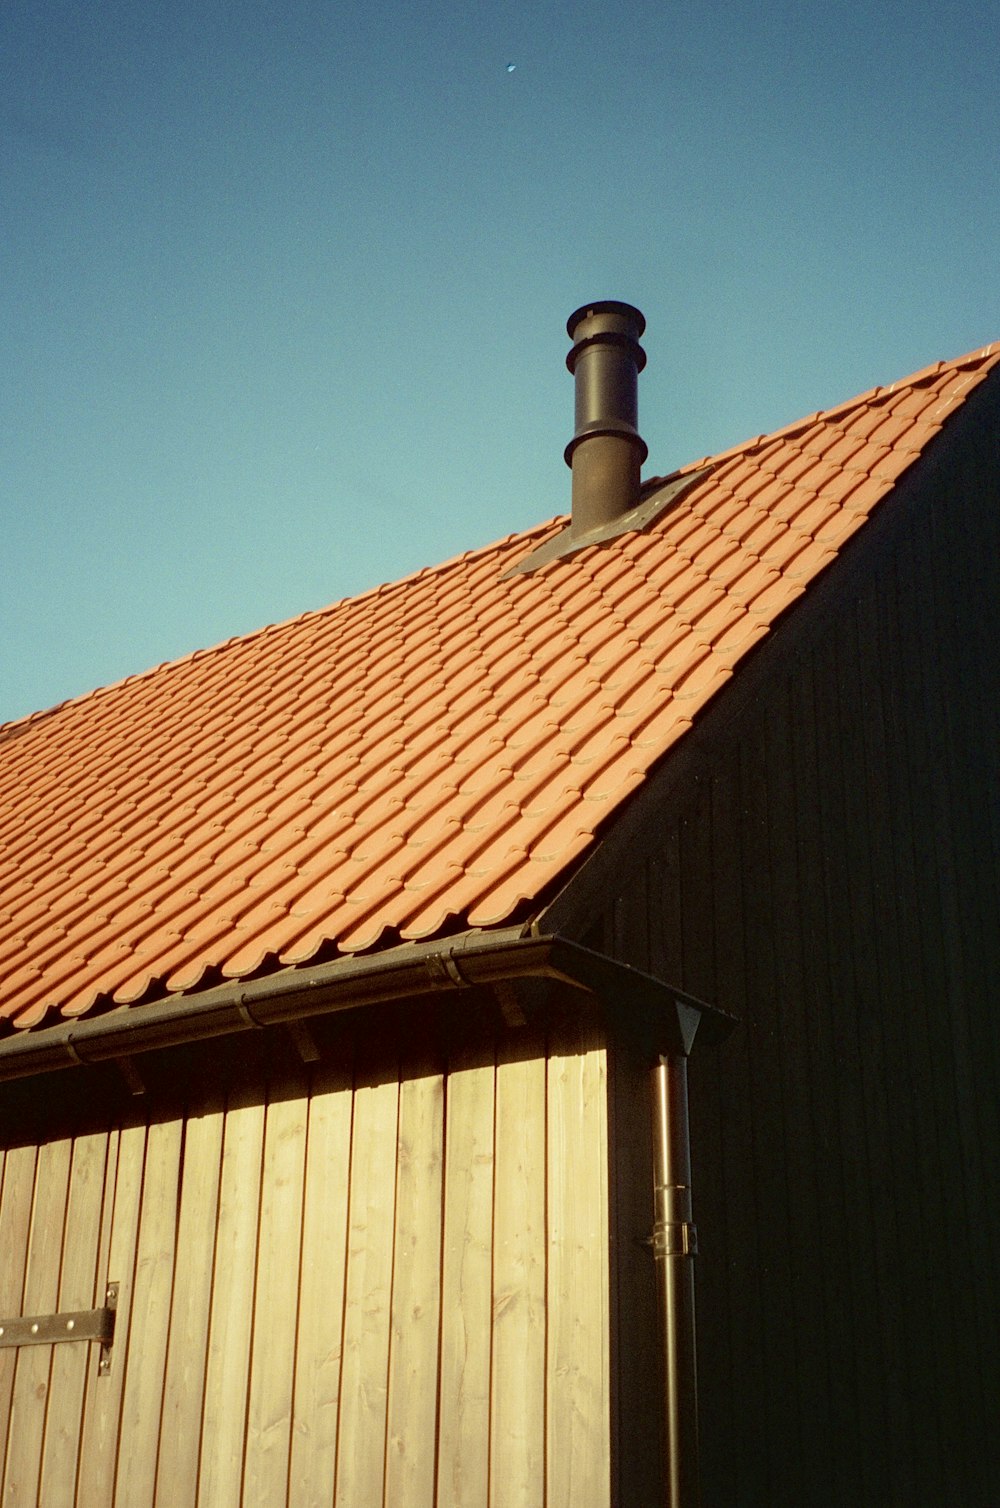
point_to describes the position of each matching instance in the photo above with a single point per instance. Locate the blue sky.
(283, 287)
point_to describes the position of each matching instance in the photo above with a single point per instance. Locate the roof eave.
(666, 1016)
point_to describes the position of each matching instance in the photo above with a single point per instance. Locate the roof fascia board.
(631, 836)
(636, 1000)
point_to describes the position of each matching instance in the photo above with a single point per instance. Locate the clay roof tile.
(435, 754)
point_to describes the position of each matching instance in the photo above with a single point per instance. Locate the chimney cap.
(607, 306)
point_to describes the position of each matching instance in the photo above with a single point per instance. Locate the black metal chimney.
(606, 452)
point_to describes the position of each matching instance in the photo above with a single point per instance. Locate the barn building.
(379, 991)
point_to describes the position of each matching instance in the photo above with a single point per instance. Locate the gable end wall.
(828, 871)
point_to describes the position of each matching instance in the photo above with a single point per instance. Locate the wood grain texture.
(183, 1391)
(275, 1312)
(220, 1481)
(411, 1425)
(368, 1295)
(150, 1318)
(577, 1446)
(41, 1290)
(96, 1384)
(336, 1296)
(15, 1225)
(517, 1422)
(99, 1452)
(70, 1363)
(321, 1288)
(467, 1286)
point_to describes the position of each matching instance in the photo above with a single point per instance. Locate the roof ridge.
(920, 378)
(924, 375)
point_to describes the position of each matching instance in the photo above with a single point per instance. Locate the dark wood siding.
(830, 875)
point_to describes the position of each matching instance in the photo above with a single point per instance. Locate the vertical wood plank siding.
(831, 876)
(382, 1286)
(26, 1428)
(77, 1281)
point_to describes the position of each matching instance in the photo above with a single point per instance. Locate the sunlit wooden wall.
(362, 1289)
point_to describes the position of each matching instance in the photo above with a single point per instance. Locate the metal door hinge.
(71, 1325)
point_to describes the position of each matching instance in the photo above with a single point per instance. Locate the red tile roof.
(430, 756)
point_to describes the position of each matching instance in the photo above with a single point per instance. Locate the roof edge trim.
(983, 355)
(470, 960)
(584, 893)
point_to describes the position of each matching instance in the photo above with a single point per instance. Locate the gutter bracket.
(444, 972)
(304, 1042)
(246, 1015)
(133, 1078)
(511, 1009)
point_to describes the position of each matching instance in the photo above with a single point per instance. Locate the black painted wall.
(829, 870)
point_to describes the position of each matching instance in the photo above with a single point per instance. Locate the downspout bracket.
(674, 1238)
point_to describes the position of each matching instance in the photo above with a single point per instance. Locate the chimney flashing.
(662, 494)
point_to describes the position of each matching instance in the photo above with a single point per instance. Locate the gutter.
(414, 969)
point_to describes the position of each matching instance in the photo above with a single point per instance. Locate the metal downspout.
(674, 1247)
